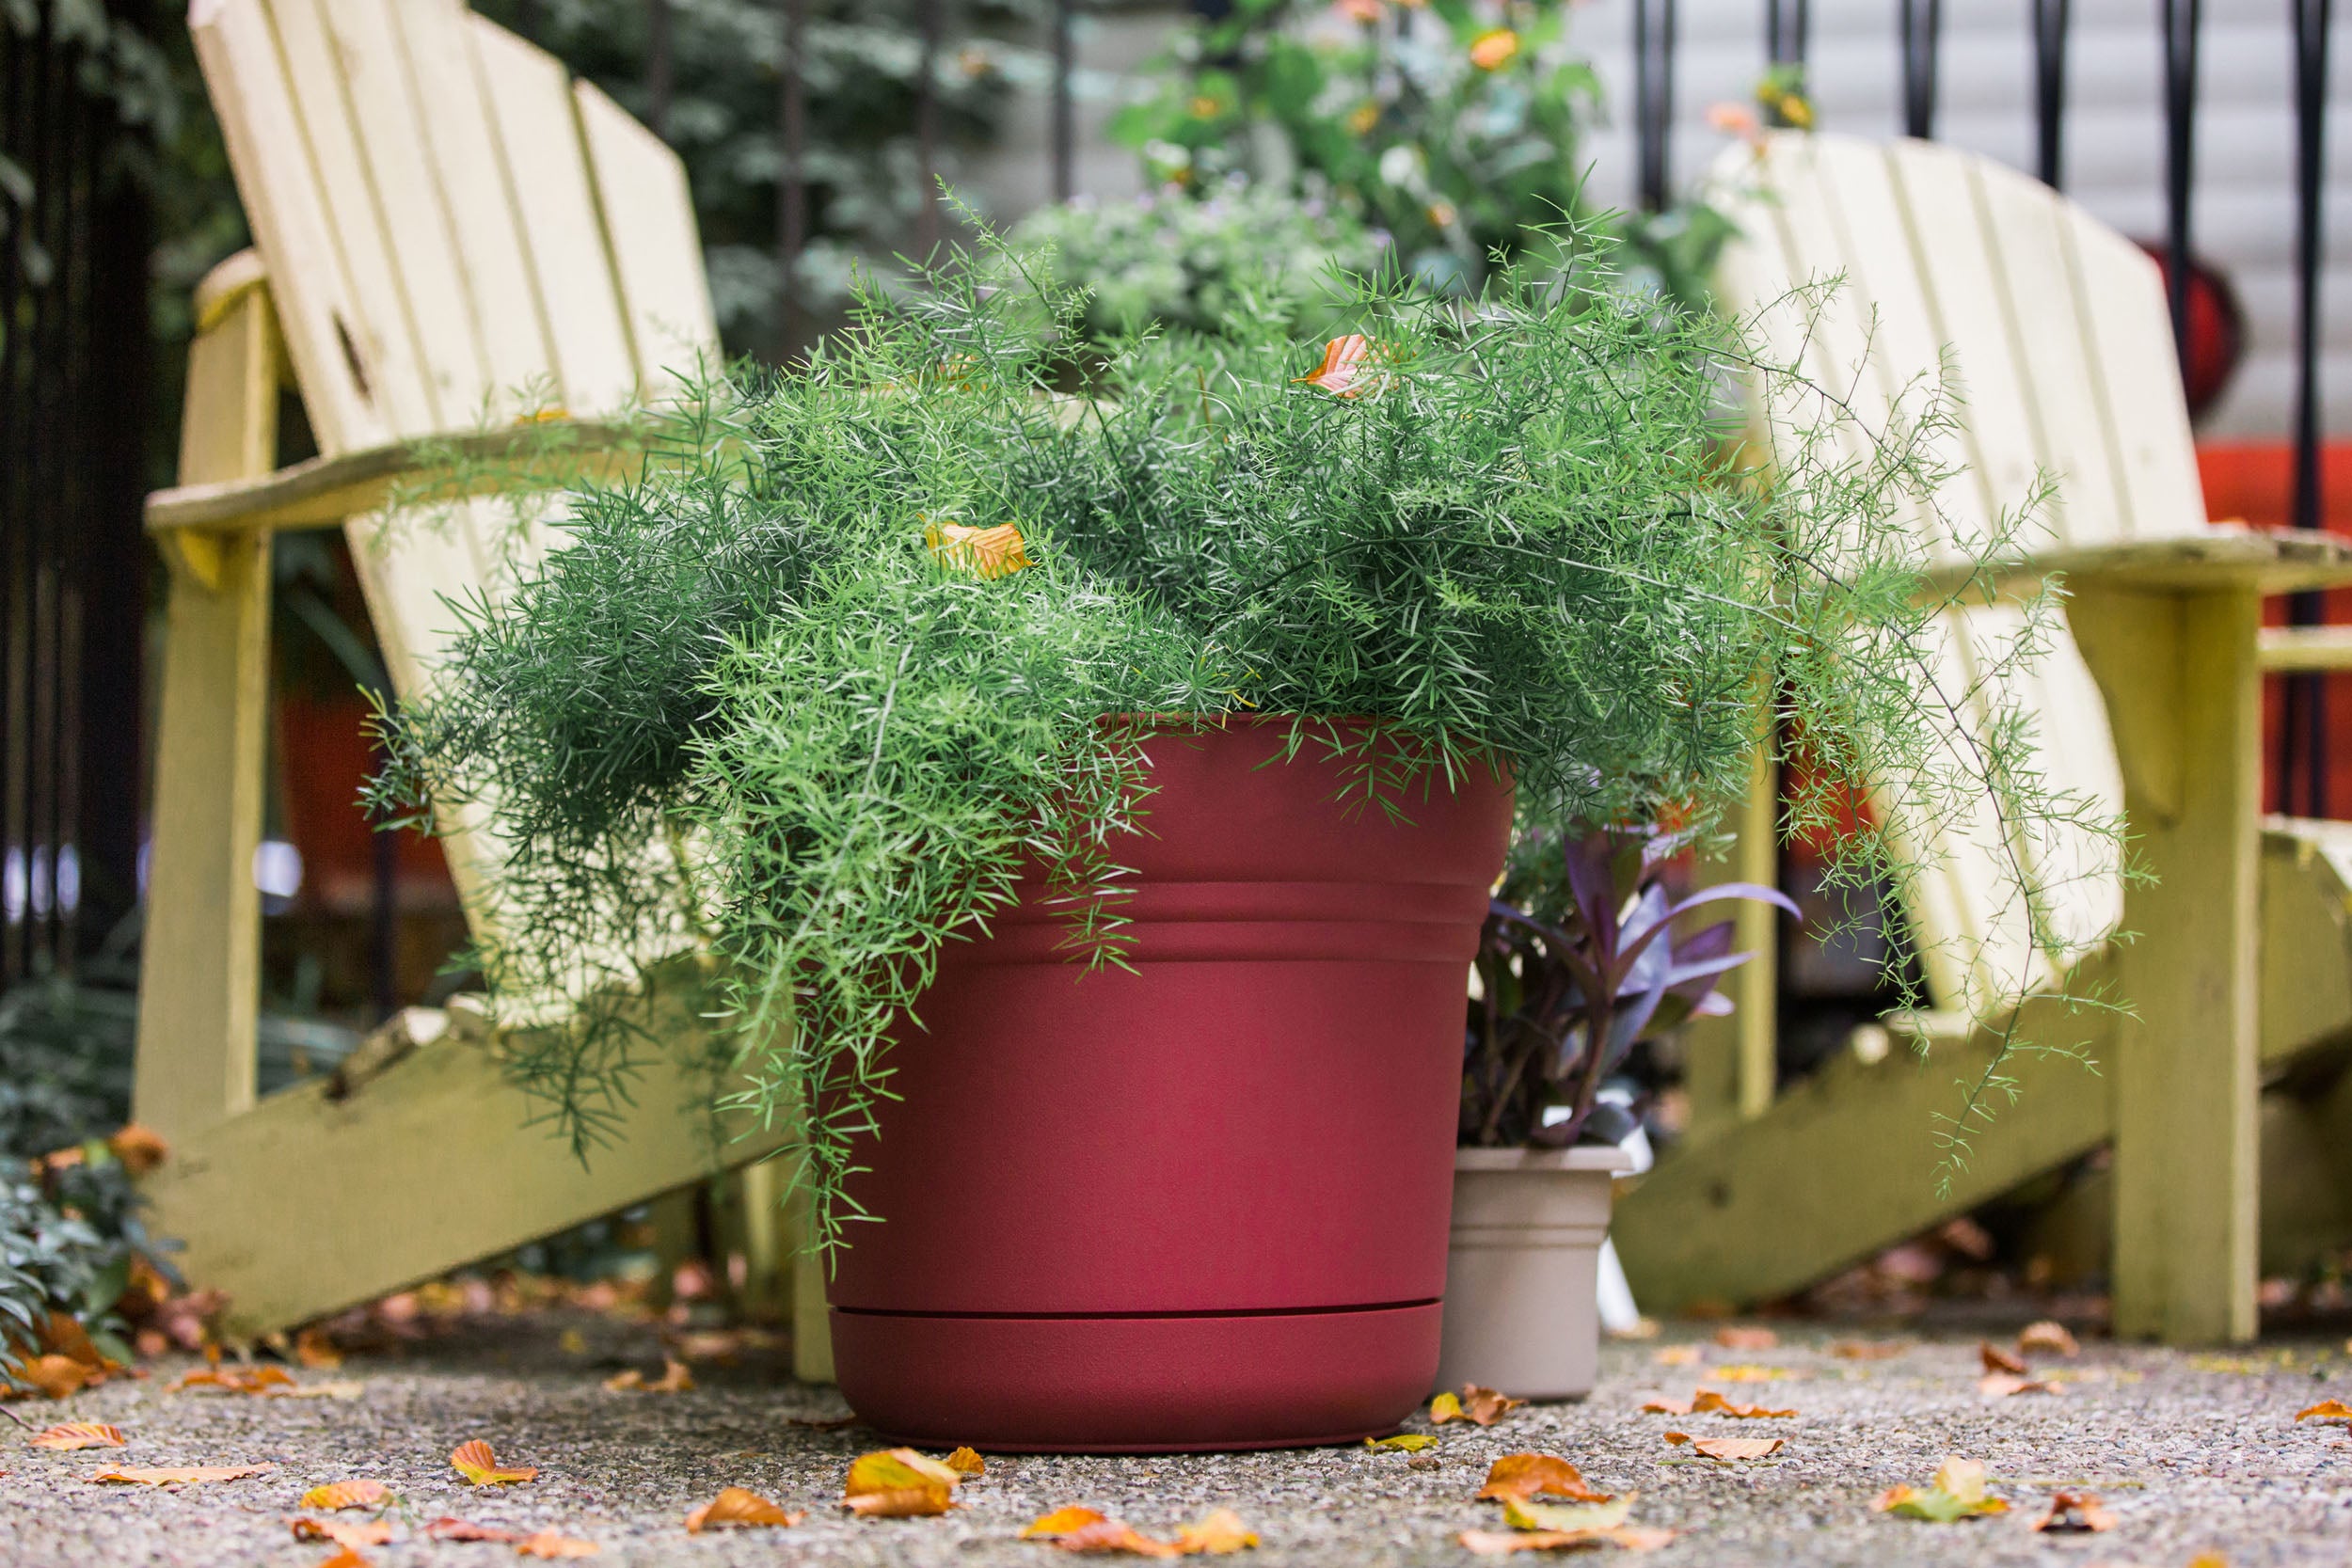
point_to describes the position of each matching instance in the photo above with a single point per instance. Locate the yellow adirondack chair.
(448, 232)
(2151, 706)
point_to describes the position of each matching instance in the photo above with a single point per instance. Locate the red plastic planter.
(1204, 1204)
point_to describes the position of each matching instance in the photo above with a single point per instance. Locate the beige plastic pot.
(1521, 1271)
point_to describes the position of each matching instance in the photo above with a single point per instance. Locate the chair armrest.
(2225, 557)
(323, 491)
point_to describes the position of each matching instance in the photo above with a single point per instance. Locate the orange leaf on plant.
(735, 1506)
(474, 1462)
(1494, 48)
(1341, 370)
(988, 554)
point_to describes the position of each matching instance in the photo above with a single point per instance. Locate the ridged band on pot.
(1201, 1202)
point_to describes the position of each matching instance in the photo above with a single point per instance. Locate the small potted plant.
(1085, 805)
(1580, 962)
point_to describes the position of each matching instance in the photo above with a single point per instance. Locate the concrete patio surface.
(2193, 1453)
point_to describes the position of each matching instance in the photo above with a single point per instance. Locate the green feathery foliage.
(747, 711)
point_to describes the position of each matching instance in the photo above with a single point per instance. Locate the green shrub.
(749, 710)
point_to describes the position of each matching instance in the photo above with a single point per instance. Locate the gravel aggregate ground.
(2193, 1454)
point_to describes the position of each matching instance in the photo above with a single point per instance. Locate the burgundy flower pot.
(1202, 1204)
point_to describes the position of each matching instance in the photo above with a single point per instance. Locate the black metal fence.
(74, 385)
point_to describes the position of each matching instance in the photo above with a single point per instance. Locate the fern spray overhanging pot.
(1582, 965)
(1140, 1044)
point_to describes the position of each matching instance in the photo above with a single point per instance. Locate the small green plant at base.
(813, 692)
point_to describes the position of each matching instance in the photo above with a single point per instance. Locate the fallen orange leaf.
(1749, 1373)
(2072, 1512)
(473, 1461)
(1639, 1538)
(735, 1506)
(1728, 1448)
(1495, 1543)
(674, 1379)
(79, 1434)
(376, 1532)
(314, 1350)
(180, 1478)
(2000, 1385)
(345, 1494)
(63, 1335)
(1995, 1359)
(1867, 1350)
(1733, 1337)
(1679, 1356)
(1486, 1406)
(140, 1149)
(1216, 1533)
(905, 1502)
(1529, 1475)
(2048, 1337)
(348, 1558)
(1341, 373)
(1114, 1535)
(1411, 1442)
(1062, 1521)
(2325, 1410)
(233, 1380)
(965, 1462)
(447, 1529)
(549, 1545)
(987, 553)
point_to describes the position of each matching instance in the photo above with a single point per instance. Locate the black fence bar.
(1653, 96)
(1787, 29)
(2180, 22)
(792, 178)
(2304, 733)
(1922, 24)
(1065, 116)
(2051, 21)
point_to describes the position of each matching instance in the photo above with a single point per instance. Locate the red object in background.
(2255, 484)
(2217, 329)
(1202, 1204)
(325, 757)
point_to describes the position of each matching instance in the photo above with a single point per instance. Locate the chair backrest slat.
(1936, 248)
(655, 256)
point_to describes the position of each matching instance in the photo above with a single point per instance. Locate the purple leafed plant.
(1600, 963)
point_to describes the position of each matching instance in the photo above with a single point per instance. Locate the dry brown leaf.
(376, 1532)
(1728, 1449)
(2325, 1410)
(1666, 1404)
(1482, 1406)
(1216, 1533)
(314, 1350)
(903, 1502)
(2073, 1511)
(1061, 1522)
(2000, 1385)
(2048, 1337)
(1735, 1337)
(1995, 1359)
(63, 1335)
(1707, 1401)
(1114, 1535)
(1529, 1475)
(346, 1494)
(79, 1434)
(735, 1506)
(194, 1476)
(549, 1544)
(56, 1376)
(474, 1462)
(233, 1379)
(674, 1379)
(1867, 1350)
(1679, 1356)
(446, 1528)
(966, 1462)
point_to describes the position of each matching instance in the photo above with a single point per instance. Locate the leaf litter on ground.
(1708, 1400)
(1735, 1337)
(1408, 1442)
(1077, 1529)
(1482, 1406)
(1729, 1450)
(1995, 1359)
(899, 1483)
(2001, 1386)
(70, 1435)
(2325, 1410)
(1532, 1475)
(476, 1462)
(346, 1494)
(193, 1476)
(374, 1532)
(735, 1506)
(2048, 1337)
(674, 1379)
(2073, 1513)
